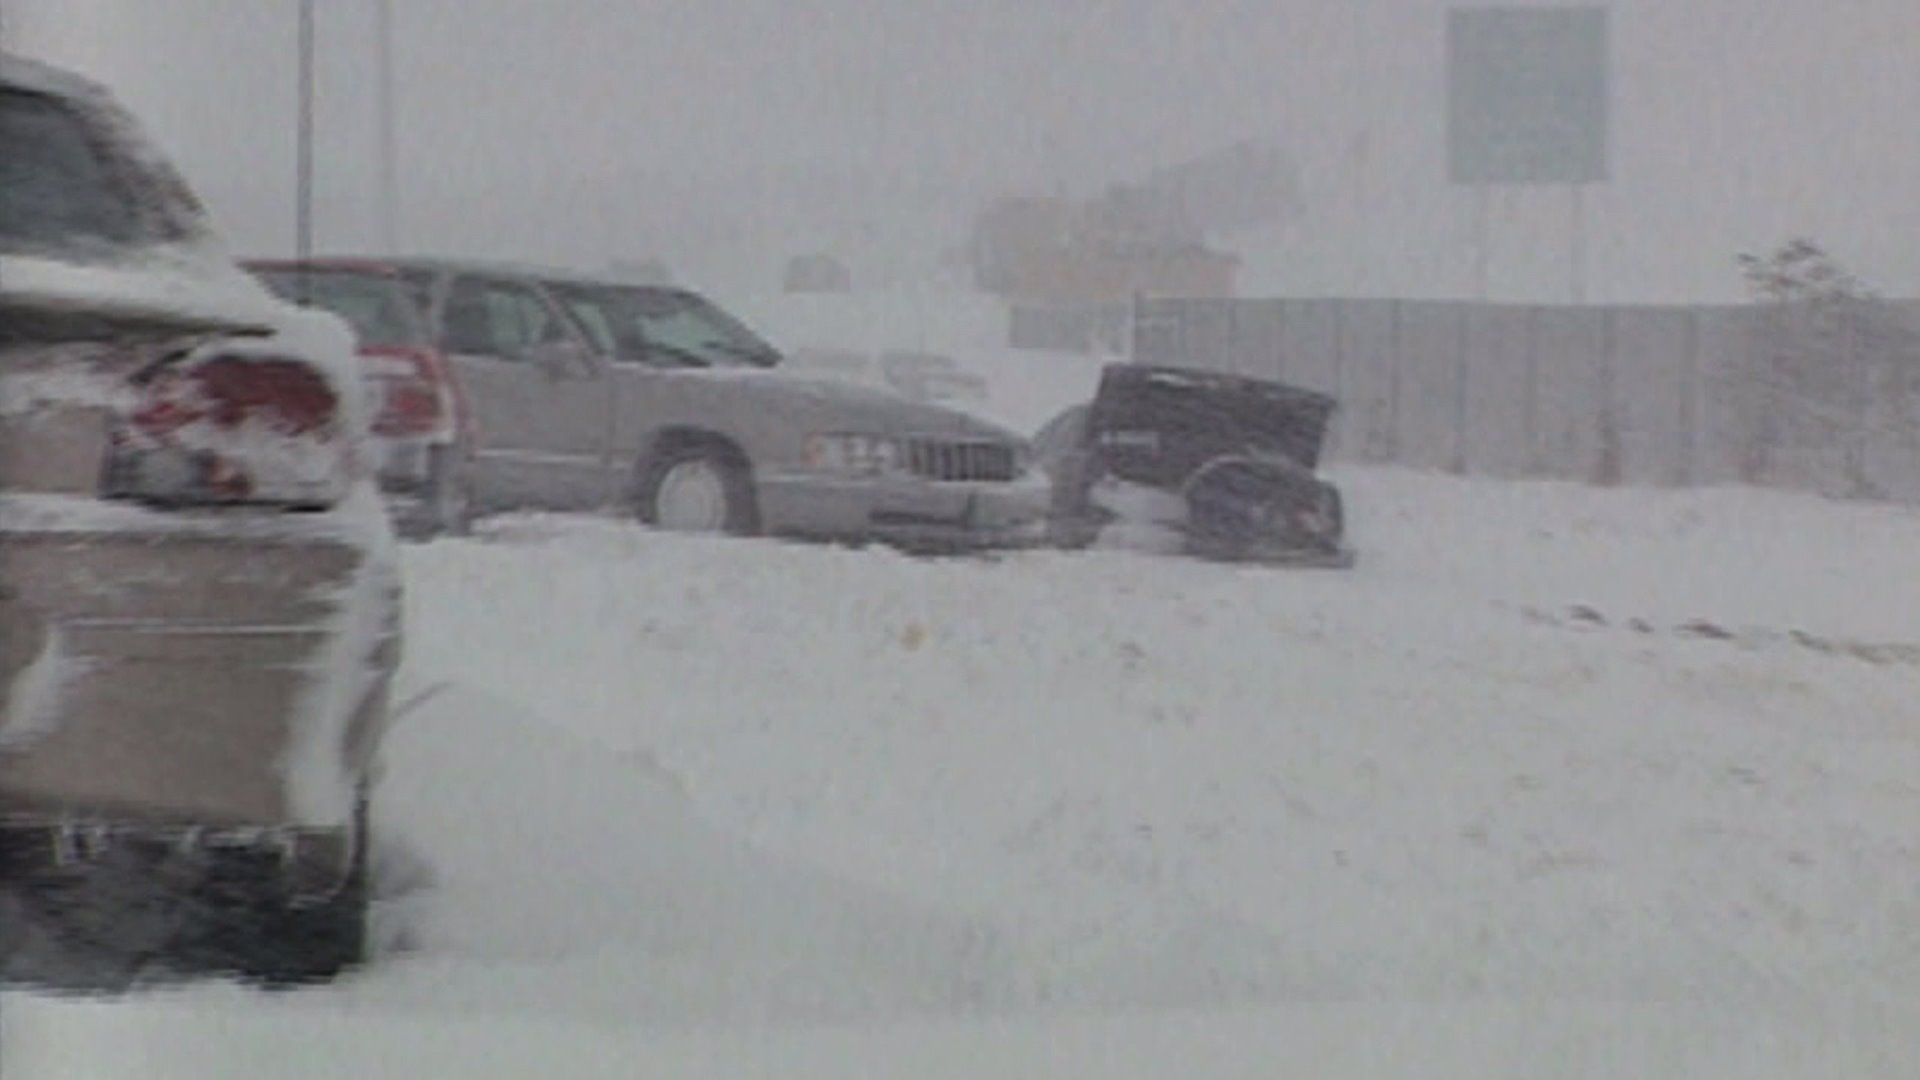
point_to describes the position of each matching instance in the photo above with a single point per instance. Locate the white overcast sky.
(726, 134)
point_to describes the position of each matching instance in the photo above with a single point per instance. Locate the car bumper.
(174, 669)
(907, 510)
(305, 862)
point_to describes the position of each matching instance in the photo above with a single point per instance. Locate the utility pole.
(389, 184)
(303, 181)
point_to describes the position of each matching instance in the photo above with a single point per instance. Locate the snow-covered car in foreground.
(422, 427)
(589, 393)
(1215, 465)
(199, 593)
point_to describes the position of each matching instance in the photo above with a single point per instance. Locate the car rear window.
(58, 190)
(374, 304)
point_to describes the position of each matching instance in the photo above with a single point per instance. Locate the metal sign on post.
(1527, 94)
(389, 183)
(303, 167)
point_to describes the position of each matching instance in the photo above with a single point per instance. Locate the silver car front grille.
(965, 460)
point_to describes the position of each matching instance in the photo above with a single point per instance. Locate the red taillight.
(233, 428)
(284, 396)
(411, 392)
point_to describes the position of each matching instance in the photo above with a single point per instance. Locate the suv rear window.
(58, 191)
(375, 305)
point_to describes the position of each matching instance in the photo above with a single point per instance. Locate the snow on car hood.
(851, 406)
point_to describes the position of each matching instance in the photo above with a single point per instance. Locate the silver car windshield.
(663, 327)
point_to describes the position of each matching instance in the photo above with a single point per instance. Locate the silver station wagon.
(588, 393)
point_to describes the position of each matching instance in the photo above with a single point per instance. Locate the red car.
(422, 427)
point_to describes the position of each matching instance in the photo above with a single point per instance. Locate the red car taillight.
(412, 392)
(232, 428)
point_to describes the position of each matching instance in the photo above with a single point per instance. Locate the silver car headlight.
(865, 455)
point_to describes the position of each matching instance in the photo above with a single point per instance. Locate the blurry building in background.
(816, 272)
(1068, 268)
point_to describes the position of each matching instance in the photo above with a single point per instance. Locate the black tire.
(449, 495)
(1238, 509)
(145, 912)
(740, 516)
(254, 926)
(100, 925)
(445, 507)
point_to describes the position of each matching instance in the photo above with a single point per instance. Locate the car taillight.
(411, 391)
(232, 429)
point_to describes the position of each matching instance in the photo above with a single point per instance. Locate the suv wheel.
(447, 506)
(1239, 509)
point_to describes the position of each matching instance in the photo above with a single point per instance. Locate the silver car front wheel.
(698, 491)
(692, 498)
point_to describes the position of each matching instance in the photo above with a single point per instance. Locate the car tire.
(325, 939)
(1238, 509)
(254, 926)
(97, 925)
(446, 506)
(698, 488)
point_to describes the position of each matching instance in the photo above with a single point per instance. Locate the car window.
(497, 318)
(418, 286)
(377, 306)
(58, 189)
(594, 319)
(664, 327)
(685, 329)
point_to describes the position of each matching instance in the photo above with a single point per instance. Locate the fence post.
(1857, 369)
(1133, 327)
(1394, 348)
(1339, 374)
(1463, 340)
(1607, 465)
(1530, 389)
(1688, 473)
(1277, 350)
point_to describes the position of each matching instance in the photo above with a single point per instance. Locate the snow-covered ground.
(1558, 781)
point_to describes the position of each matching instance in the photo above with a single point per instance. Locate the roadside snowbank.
(1587, 1040)
(738, 806)
(1245, 783)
